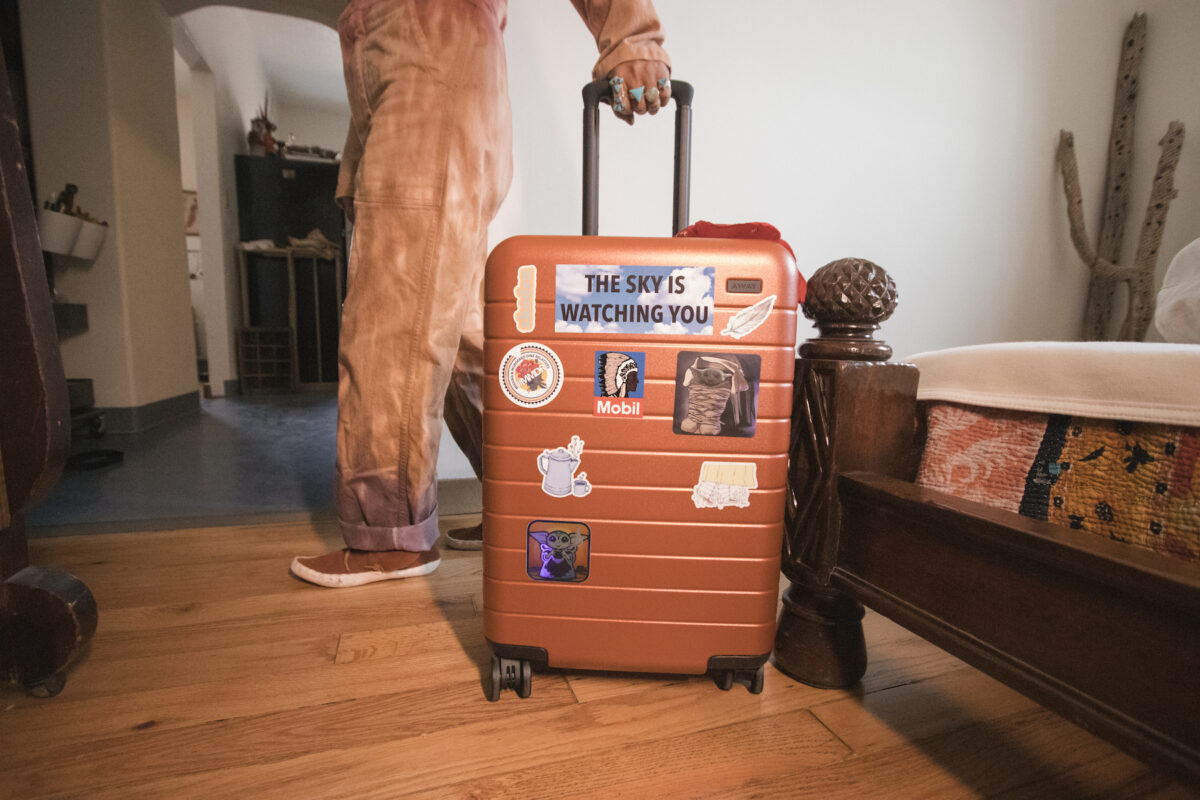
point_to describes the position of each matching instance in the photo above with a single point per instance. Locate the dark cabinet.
(292, 269)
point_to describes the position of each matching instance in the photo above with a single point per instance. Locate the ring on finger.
(636, 94)
(652, 95)
(620, 95)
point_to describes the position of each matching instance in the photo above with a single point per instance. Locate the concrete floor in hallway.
(255, 458)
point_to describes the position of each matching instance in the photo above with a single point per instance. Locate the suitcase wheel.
(756, 681)
(752, 678)
(510, 673)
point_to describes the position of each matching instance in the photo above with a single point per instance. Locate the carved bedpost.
(851, 411)
(47, 617)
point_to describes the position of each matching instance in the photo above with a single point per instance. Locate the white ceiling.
(300, 59)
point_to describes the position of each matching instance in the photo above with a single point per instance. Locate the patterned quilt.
(1132, 482)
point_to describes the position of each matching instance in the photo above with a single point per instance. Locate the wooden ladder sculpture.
(1104, 259)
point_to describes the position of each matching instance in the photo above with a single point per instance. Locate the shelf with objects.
(292, 272)
(291, 315)
(69, 235)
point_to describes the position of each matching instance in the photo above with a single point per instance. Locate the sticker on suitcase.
(747, 321)
(725, 483)
(558, 551)
(633, 300)
(526, 289)
(716, 394)
(619, 386)
(531, 374)
(558, 471)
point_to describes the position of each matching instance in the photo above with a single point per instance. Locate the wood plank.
(729, 761)
(288, 690)
(935, 704)
(981, 760)
(151, 753)
(458, 655)
(502, 738)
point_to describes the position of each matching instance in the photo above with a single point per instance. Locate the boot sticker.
(716, 394)
(558, 551)
(619, 386)
(725, 483)
(746, 321)
(558, 471)
(526, 314)
(671, 301)
(531, 375)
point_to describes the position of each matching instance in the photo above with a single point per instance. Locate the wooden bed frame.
(47, 617)
(1103, 633)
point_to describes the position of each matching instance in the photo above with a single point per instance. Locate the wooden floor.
(216, 674)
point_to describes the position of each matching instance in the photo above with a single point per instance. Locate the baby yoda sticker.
(558, 551)
(558, 471)
(725, 483)
(716, 394)
(531, 375)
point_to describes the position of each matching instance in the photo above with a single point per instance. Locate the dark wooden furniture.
(46, 617)
(1107, 635)
(296, 286)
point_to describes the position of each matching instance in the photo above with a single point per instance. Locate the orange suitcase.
(636, 425)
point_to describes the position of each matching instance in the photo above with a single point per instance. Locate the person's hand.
(639, 87)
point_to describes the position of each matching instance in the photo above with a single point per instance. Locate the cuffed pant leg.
(427, 87)
(464, 397)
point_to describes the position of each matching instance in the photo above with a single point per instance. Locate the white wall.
(102, 116)
(187, 125)
(920, 135)
(225, 97)
(317, 127)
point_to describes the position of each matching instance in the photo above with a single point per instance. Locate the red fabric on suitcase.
(742, 230)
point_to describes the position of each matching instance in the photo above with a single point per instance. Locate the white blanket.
(1135, 381)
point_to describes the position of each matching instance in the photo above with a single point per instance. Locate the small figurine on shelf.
(64, 201)
(261, 139)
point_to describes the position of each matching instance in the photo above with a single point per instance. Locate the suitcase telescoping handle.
(599, 91)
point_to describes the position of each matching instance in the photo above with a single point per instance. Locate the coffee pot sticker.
(558, 470)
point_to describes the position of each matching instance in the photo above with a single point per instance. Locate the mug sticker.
(619, 383)
(531, 375)
(725, 483)
(526, 314)
(558, 467)
(558, 551)
(716, 394)
(607, 298)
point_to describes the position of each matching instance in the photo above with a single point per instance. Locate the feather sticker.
(748, 319)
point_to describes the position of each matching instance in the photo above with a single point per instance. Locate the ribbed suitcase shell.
(668, 584)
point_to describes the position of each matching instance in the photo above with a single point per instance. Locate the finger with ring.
(620, 95)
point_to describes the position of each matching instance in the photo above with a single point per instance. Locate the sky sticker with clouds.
(634, 300)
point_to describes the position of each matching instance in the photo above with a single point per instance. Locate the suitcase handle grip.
(598, 92)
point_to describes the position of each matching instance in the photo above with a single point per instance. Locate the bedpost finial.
(847, 299)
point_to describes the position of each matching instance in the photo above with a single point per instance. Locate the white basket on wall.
(91, 239)
(69, 235)
(58, 231)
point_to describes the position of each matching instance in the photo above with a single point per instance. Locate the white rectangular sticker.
(608, 298)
